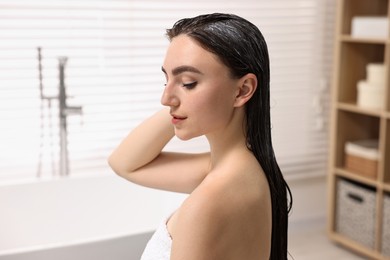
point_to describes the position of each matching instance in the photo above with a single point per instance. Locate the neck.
(229, 140)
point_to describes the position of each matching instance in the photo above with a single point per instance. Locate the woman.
(217, 85)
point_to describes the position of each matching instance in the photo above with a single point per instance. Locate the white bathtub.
(96, 218)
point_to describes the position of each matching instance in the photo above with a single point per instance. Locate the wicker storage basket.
(361, 166)
(386, 226)
(355, 212)
(362, 157)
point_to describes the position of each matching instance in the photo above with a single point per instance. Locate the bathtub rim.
(80, 242)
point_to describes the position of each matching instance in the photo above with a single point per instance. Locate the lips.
(177, 119)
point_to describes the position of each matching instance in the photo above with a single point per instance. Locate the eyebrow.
(181, 69)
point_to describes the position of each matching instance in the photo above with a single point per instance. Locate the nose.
(169, 98)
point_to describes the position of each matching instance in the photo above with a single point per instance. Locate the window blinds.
(115, 49)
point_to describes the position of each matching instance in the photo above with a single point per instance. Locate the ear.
(246, 88)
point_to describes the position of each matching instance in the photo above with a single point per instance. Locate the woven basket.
(361, 166)
(355, 212)
(386, 226)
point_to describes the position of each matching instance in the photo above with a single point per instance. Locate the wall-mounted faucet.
(64, 112)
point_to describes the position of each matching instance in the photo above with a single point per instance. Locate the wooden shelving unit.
(351, 122)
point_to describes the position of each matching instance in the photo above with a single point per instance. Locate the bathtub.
(101, 217)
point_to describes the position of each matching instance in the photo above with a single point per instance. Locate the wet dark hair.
(240, 45)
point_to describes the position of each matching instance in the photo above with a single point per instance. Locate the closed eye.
(190, 85)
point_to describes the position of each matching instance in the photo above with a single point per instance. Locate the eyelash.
(190, 85)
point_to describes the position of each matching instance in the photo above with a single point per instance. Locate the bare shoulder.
(227, 217)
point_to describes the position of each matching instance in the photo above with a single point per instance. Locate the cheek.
(214, 107)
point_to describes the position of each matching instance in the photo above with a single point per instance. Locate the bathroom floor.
(313, 243)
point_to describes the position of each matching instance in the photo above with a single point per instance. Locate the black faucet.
(64, 111)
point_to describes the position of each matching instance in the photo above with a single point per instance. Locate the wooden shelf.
(386, 187)
(351, 122)
(352, 245)
(355, 177)
(349, 38)
(352, 107)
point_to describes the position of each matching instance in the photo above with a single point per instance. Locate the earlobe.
(246, 89)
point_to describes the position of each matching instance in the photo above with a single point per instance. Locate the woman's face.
(199, 90)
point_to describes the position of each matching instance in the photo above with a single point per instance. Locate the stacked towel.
(371, 90)
(370, 26)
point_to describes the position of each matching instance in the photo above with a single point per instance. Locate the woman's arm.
(143, 144)
(139, 158)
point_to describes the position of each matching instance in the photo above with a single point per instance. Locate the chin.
(184, 136)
